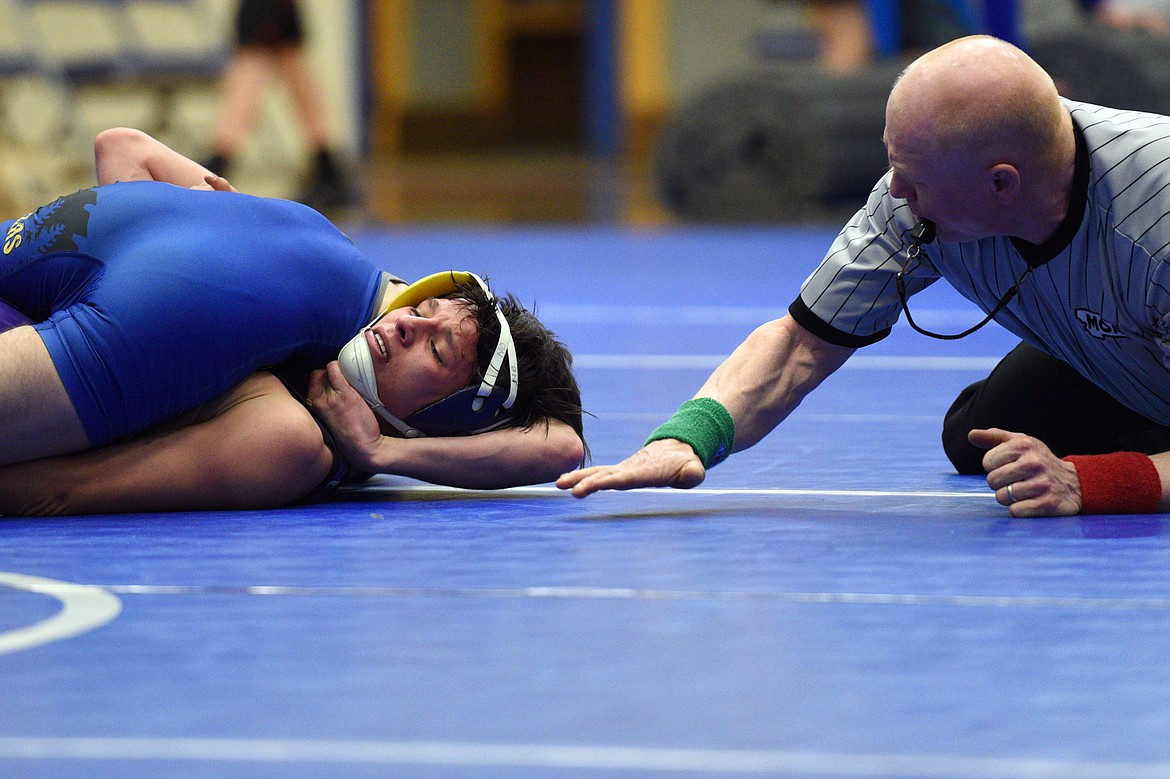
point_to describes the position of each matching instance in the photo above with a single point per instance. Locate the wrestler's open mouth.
(376, 344)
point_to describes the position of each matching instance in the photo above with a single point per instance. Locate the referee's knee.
(967, 459)
(965, 456)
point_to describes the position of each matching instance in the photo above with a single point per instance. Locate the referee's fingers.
(989, 438)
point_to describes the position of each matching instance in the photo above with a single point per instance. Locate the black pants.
(1031, 392)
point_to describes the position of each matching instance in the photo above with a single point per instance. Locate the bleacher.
(70, 68)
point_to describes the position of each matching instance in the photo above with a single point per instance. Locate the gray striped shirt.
(1098, 296)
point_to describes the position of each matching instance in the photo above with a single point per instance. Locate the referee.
(1054, 217)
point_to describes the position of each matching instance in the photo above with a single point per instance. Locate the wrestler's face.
(422, 353)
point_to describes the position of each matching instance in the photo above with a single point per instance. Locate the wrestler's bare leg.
(37, 419)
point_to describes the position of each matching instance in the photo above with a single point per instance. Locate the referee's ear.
(1005, 182)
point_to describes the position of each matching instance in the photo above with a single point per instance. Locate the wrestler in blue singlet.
(153, 298)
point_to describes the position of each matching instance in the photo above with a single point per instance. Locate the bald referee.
(1054, 217)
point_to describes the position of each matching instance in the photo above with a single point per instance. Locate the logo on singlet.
(53, 227)
(1097, 325)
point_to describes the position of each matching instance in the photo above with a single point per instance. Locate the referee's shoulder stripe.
(1161, 288)
(827, 285)
(872, 239)
(1142, 208)
(880, 294)
(1132, 152)
(1160, 251)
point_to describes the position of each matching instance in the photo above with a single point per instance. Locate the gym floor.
(832, 603)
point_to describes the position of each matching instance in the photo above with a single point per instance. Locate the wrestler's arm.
(510, 457)
(124, 154)
(760, 384)
(501, 458)
(255, 447)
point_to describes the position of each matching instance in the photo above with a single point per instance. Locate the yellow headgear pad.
(436, 285)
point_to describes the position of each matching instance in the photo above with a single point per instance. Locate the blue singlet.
(152, 298)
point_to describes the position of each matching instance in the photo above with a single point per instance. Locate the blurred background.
(639, 112)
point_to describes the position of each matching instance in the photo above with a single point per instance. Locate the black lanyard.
(923, 233)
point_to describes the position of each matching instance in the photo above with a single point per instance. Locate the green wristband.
(704, 424)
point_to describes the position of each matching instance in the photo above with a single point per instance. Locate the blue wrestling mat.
(832, 603)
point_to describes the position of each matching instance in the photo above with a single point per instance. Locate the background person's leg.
(1034, 393)
(243, 90)
(37, 418)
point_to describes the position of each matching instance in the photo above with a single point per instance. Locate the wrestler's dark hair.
(548, 389)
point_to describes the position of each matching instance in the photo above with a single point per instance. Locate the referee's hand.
(1026, 476)
(665, 463)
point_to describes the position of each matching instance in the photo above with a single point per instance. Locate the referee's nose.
(900, 188)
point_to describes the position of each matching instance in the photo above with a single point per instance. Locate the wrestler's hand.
(665, 463)
(1042, 484)
(348, 417)
(214, 183)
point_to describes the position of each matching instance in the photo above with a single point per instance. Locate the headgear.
(468, 411)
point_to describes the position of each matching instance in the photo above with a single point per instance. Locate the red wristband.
(1118, 483)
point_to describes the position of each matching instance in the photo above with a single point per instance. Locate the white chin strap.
(357, 363)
